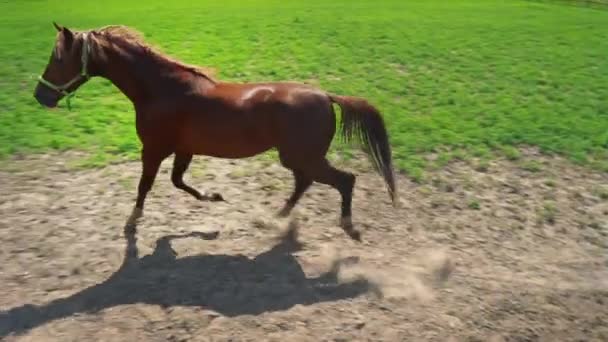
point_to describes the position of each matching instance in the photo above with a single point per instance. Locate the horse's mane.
(134, 37)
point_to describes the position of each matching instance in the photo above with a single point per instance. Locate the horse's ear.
(68, 37)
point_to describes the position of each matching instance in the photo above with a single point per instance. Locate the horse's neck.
(126, 69)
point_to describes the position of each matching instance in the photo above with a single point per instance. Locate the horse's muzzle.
(46, 97)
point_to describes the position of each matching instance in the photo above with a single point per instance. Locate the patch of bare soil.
(501, 255)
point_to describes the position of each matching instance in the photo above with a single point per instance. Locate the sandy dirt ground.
(474, 254)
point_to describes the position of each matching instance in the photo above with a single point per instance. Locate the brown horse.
(180, 109)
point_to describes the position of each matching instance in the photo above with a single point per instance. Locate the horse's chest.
(156, 126)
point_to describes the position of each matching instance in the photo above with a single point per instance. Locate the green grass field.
(457, 78)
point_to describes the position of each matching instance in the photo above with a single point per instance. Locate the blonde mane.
(134, 37)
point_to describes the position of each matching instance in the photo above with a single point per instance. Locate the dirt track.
(505, 254)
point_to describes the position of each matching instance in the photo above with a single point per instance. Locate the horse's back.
(238, 120)
(302, 120)
(281, 95)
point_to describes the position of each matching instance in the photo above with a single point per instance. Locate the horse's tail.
(363, 122)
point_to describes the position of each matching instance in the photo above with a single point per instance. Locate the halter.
(62, 89)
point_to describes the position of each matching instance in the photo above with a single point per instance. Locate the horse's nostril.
(46, 101)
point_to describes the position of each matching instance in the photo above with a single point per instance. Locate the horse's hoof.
(217, 197)
(354, 234)
(347, 225)
(131, 225)
(214, 197)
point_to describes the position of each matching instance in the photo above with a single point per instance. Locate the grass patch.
(442, 184)
(466, 76)
(474, 204)
(482, 165)
(531, 166)
(127, 183)
(548, 213)
(550, 183)
(241, 172)
(601, 193)
(510, 152)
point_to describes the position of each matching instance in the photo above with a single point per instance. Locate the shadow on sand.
(231, 285)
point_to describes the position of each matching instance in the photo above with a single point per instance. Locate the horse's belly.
(226, 142)
(232, 151)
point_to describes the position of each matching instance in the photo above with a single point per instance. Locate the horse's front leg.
(151, 160)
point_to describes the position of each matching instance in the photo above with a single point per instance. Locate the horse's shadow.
(231, 285)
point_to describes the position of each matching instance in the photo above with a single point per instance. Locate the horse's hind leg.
(344, 182)
(180, 165)
(302, 183)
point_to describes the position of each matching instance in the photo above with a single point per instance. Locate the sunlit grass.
(457, 78)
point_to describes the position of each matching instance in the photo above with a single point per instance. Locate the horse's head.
(66, 69)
